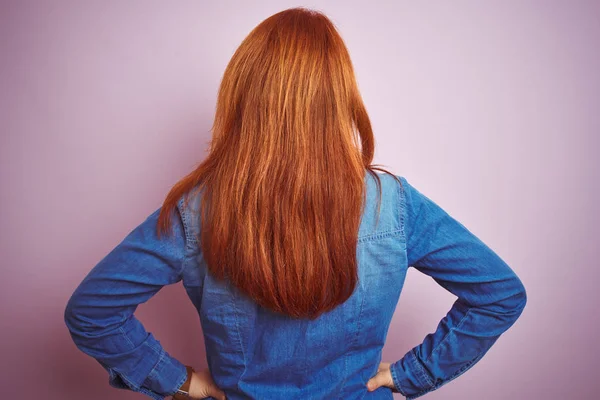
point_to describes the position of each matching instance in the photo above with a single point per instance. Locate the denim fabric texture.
(253, 353)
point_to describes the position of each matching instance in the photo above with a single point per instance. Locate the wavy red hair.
(283, 185)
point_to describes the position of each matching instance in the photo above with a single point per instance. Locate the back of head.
(283, 185)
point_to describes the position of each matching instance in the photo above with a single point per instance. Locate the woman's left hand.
(382, 378)
(203, 385)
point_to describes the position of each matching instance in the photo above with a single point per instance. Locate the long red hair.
(283, 185)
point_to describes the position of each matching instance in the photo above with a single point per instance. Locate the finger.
(217, 393)
(376, 381)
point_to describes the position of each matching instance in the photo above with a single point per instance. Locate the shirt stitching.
(378, 235)
(462, 320)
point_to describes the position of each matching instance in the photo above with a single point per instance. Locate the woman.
(293, 248)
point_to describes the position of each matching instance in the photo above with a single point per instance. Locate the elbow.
(75, 317)
(514, 306)
(70, 314)
(520, 299)
(522, 302)
(89, 320)
(78, 321)
(509, 306)
(523, 299)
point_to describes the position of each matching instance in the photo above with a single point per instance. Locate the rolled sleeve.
(490, 295)
(408, 375)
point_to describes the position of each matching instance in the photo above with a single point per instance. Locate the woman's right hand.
(383, 378)
(203, 386)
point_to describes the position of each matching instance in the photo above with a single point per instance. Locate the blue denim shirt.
(253, 353)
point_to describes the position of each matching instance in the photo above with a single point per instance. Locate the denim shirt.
(254, 353)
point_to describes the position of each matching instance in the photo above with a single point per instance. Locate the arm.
(490, 295)
(99, 314)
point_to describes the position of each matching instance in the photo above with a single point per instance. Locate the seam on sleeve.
(160, 358)
(424, 376)
(402, 207)
(454, 328)
(124, 334)
(183, 216)
(189, 241)
(154, 345)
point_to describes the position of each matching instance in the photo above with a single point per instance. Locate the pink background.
(490, 108)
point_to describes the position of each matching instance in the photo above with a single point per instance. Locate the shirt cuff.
(166, 376)
(409, 377)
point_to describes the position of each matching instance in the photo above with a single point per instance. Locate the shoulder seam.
(189, 239)
(402, 207)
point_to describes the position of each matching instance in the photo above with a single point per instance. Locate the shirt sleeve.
(99, 314)
(490, 296)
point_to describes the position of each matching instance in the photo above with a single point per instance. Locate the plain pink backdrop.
(490, 108)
